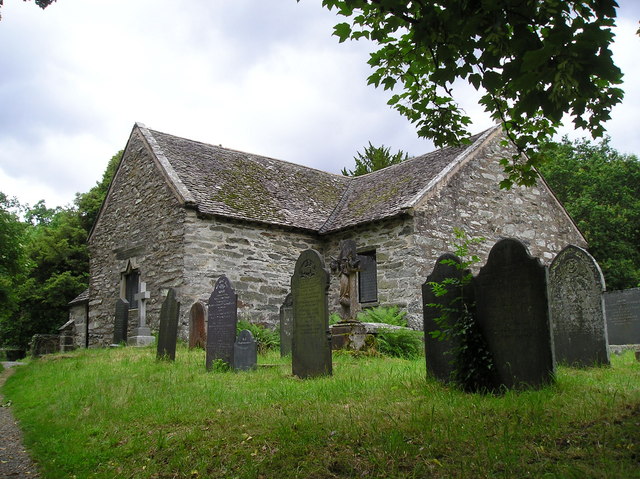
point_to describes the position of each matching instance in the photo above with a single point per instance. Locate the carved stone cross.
(142, 297)
(346, 266)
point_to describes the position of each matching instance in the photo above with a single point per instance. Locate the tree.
(374, 159)
(89, 203)
(600, 188)
(44, 261)
(534, 61)
(41, 3)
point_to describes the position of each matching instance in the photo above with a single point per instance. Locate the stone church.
(180, 213)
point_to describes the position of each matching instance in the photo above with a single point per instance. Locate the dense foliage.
(600, 188)
(44, 262)
(533, 62)
(374, 158)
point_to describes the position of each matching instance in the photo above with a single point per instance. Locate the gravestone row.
(526, 322)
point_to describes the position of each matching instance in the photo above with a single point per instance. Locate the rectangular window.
(368, 277)
(131, 281)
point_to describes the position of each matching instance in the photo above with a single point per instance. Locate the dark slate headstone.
(513, 315)
(168, 333)
(122, 321)
(311, 341)
(439, 353)
(286, 325)
(623, 316)
(576, 302)
(222, 322)
(197, 331)
(245, 352)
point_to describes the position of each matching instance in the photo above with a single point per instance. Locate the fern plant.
(391, 315)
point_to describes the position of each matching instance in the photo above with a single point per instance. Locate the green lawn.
(120, 413)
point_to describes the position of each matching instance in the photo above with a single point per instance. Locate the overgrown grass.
(120, 413)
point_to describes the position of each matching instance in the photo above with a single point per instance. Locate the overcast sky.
(262, 76)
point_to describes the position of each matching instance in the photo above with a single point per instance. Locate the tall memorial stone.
(222, 322)
(286, 325)
(197, 331)
(122, 321)
(623, 316)
(439, 352)
(245, 352)
(168, 333)
(513, 315)
(576, 287)
(311, 340)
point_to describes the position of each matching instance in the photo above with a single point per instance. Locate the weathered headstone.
(513, 315)
(245, 352)
(576, 302)
(122, 321)
(42, 344)
(141, 336)
(222, 322)
(197, 331)
(168, 333)
(623, 316)
(439, 352)
(311, 341)
(286, 325)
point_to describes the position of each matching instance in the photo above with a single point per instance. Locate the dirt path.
(14, 459)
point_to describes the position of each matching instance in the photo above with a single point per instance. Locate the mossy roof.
(222, 182)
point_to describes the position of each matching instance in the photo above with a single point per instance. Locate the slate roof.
(218, 181)
(81, 298)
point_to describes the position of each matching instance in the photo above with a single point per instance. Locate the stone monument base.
(141, 337)
(349, 335)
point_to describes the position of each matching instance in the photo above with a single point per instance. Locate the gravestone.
(245, 352)
(286, 325)
(168, 333)
(623, 316)
(311, 340)
(439, 352)
(122, 321)
(222, 322)
(141, 336)
(576, 302)
(512, 314)
(197, 331)
(42, 344)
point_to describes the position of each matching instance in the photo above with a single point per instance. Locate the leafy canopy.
(41, 3)
(534, 61)
(374, 159)
(600, 188)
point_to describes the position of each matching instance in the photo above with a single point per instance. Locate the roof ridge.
(338, 207)
(170, 172)
(256, 155)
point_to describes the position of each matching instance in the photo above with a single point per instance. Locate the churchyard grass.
(121, 413)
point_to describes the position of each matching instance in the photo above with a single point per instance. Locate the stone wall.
(396, 258)
(142, 225)
(78, 314)
(258, 259)
(473, 201)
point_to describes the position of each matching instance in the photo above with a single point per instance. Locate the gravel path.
(14, 459)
